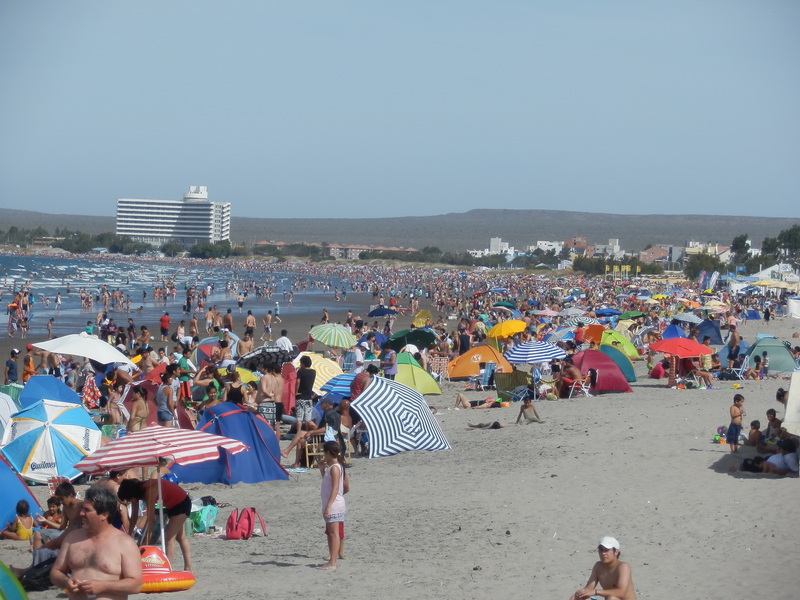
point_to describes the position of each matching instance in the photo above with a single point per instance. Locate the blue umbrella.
(339, 384)
(47, 386)
(47, 440)
(534, 352)
(379, 338)
(607, 312)
(381, 312)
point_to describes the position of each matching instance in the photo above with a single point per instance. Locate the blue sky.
(349, 109)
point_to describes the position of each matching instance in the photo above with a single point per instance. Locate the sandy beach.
(518, 512)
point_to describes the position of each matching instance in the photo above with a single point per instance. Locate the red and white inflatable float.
(157, 574)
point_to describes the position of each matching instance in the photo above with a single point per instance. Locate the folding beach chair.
(484, 380)
(584, 387)
(439, 366)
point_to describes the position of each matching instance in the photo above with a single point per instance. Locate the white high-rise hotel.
(190, 221)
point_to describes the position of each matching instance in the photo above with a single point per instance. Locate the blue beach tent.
(673, 331)
(262, 462)
(14, 490)
(710, 329)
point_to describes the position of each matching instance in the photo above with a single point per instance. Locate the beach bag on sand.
(242, 526)
(37, 578)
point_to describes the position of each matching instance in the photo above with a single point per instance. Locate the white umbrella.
(88, 346)
(687, 318)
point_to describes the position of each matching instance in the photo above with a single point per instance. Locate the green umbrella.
(333, 335)
(631, 314)
(421, 338)
(510, 305)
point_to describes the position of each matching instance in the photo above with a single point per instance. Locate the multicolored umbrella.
(45, 440)
(333, 335)
(398, 419)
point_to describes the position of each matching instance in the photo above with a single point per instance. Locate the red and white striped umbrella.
(152, 445)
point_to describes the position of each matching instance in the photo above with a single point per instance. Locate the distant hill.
(465, 231)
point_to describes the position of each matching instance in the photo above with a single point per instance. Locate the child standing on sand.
(735, 428)
(332, 496)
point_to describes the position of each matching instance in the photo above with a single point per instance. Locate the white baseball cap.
(609, 543)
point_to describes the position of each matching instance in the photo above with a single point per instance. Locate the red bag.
(240, 526)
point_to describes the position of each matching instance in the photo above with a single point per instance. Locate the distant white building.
(189, 221)
(546, 246)
(496, 246)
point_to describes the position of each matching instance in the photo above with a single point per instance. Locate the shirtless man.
(246, 344)
(97, 560)
(733, 346)
(267, 327)
(613, 575)
(270, 389)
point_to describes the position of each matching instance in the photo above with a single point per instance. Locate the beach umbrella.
(582, 320)
(339, 384)
(421, 338)
(7, 408)
(508, 305)
(660, 296)
(410, 373)
(631, 314)
(47, 386)
(534, 352)
(545, 313)
(607, 312)
(381, 311)
(246, 375)
(333, 335)
(398, 419)
(507, 328)
(571, 312)
(206, 346)
(687, 318)
(264, 355)
(498, 290)
(562, 333)
(83, 344)
(45, 440)
(421, 318)
(155, 447)
(681, 347)
(326, 369)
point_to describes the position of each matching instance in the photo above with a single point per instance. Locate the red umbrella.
(681, 347)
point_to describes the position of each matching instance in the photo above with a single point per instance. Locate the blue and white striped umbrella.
(575, 321)
(340, 384)
(48, 438)
(398, 419)
(534, 352)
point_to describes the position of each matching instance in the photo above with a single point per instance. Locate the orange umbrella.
(594, 333)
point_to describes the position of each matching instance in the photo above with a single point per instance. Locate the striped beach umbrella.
(534, 352)
(340, 384)
(46, 440)
(397, 419)
(326, 369)
(148, 447)
(333, 335)
(582, 320)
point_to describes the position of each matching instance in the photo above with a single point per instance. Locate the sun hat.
(609, 543)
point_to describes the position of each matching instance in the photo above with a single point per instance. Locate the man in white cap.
(613, 575)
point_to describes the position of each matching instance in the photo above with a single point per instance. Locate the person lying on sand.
(493, 425)
(463, 402)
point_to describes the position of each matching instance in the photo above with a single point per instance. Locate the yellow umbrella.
(326, 369)
(246, 375)
(507, 328)
(421, 318)
(660, 296)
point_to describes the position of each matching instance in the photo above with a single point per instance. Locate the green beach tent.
(410, 373)
(615, 338)
(621, 360)
(780, 359)
(10, 587)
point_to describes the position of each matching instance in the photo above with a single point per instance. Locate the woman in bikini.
(140, 410)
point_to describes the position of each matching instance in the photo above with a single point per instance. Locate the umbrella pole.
(161, 508)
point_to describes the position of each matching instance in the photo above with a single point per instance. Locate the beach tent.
(710, 329)
(743, 348)
(609, 376)
(621, 360)
(753, 315)
(468, 364)
(780, 358)
(791, 420)
(14, 490)
(10, 587)
(793, 307)
(262, 462)
(594, 333)
(615, 338)
(410, 373)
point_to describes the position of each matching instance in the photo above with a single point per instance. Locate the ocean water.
(47, 276)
